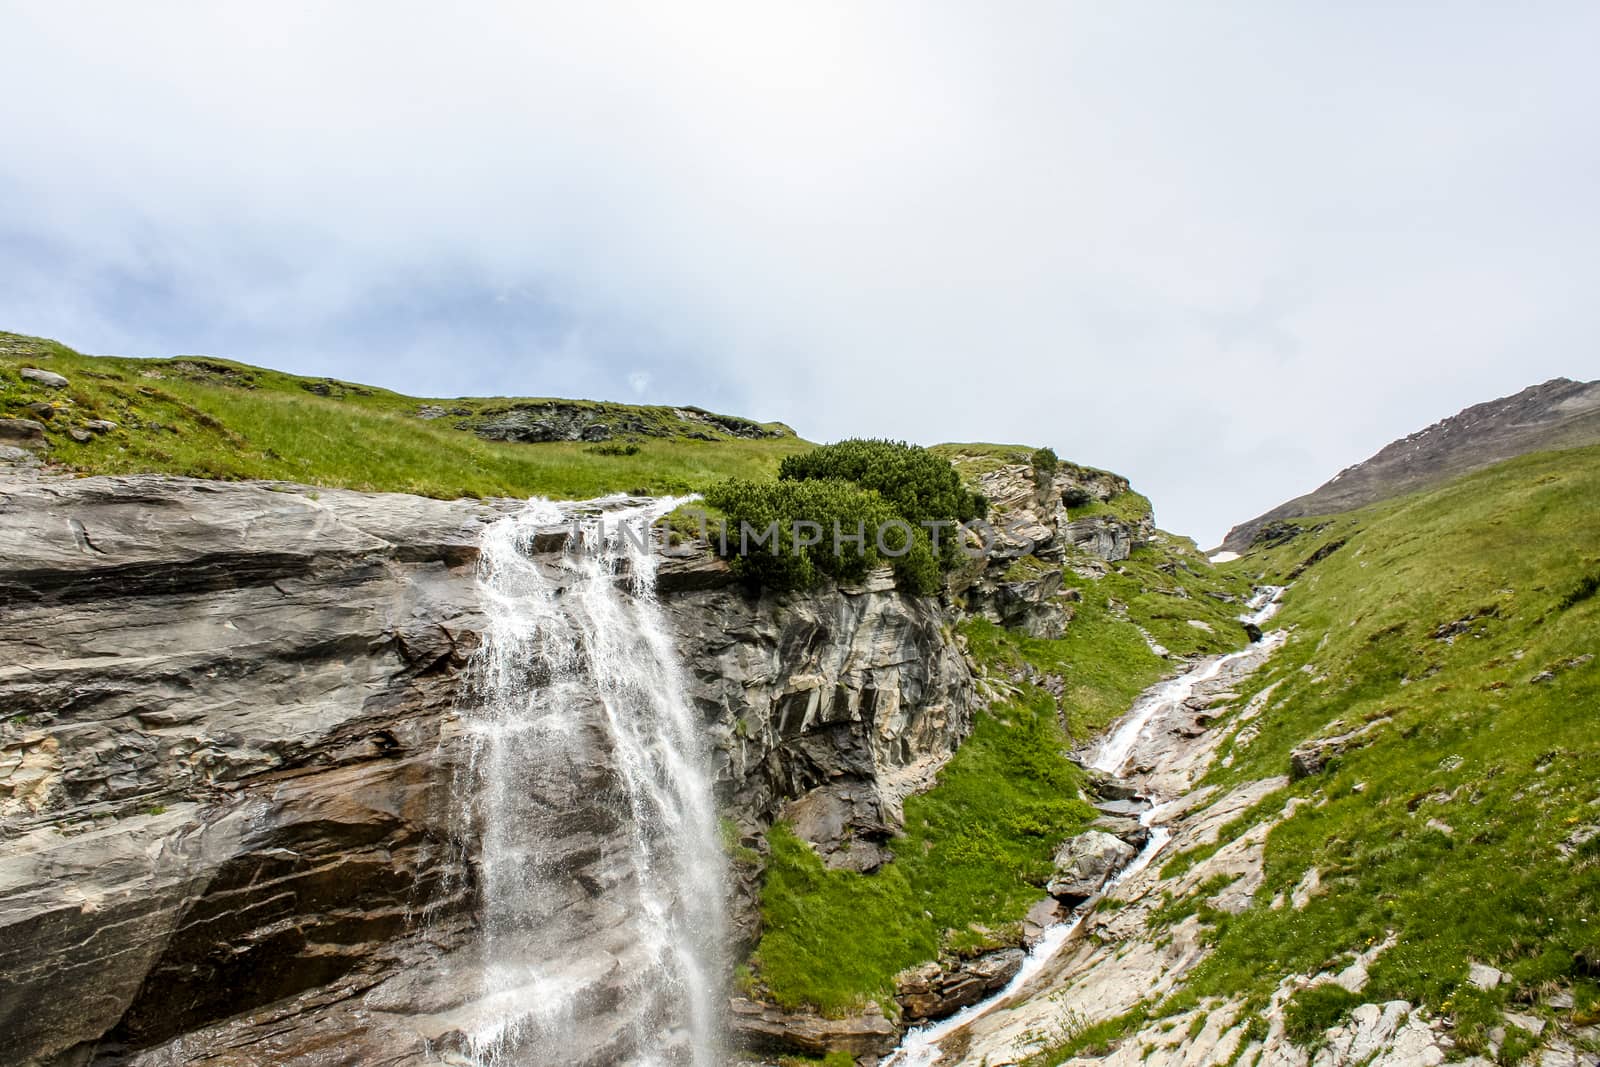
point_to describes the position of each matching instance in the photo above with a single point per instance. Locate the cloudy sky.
(1225, 249)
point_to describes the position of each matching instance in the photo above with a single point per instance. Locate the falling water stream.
(920, 1047)
(580, 730)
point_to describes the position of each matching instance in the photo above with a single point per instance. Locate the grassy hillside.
(212, 418)
(1463, 625)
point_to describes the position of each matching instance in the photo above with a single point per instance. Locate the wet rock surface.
(230, 742)
(1085, 864)
(943, 988)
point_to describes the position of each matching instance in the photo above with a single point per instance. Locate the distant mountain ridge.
(1559, 413)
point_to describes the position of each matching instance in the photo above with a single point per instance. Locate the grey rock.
(80, 436)
(1043, 915)
(1030, 606)
(18, 456)
(1484, 977)
(938, 989)
(1124, 828)
(763, 1028)
(22, 432)
(1312, 756)
(47, 378)
(1086, 863)
(99, 425)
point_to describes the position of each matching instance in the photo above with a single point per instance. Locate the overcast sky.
(1225, 249)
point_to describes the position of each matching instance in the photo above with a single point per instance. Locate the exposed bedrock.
(229, 744)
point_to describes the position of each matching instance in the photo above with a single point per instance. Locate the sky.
(1224, 249)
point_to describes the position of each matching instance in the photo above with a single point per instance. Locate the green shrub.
(834, 494)
(920, 486)
(767, 527)
(1044, 464)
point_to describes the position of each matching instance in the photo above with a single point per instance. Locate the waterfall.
(582, 742)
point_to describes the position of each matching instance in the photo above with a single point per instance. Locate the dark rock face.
(1560, 413)
(229, 750)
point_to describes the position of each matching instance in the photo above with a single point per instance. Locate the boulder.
(763, 1028)
(1123, 827)
(49, 379)
(24, 432)
(935, 990)
(1043, 915)
(99, 425)
(1086, 863)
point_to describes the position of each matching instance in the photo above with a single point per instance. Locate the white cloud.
(1225, 250)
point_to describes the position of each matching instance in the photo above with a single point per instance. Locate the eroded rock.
(1086, 863)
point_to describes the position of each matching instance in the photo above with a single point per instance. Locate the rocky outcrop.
(567, 420)
(229, 745)
(940, 988)
(765, 1029)
(1085, 864)
(1041, 524)
(1312, 756)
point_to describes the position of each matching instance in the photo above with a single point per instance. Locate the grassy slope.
(977, 846)
(1457, 828)
(213, 418)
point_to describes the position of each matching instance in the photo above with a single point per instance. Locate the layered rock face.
(229, 756)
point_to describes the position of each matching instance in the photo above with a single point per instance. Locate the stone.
(1086, 863)
(1310, 758)
(1123, 827)
(99, 425)
(1483, 976)
(936, 990)
(18, 456)
(763, 1028)
(41, 410)
(22, 432)
(47, 378)
(1043, 915)
(80, 436)
(1109, 786)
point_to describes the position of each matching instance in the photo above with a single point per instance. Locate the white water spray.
(581, 736)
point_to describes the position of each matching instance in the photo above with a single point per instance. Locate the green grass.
(1129, 507)
(1495, 736)
(213, 418)
(976, 852)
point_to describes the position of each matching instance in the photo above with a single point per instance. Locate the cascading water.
(581, 738)
(920, 1047)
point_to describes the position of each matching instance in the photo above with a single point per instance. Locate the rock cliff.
(229, 745)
